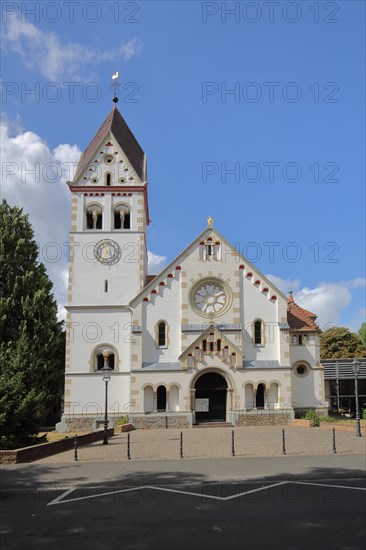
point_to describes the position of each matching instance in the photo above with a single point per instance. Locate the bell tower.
(107, 269)
(109, 218)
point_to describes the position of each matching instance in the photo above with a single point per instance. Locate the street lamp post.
(356, 370)
(106, 378)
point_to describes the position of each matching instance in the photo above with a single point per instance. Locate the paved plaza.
(200, 443)
(309, 498)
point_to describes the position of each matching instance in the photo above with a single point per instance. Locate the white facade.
(208, 339)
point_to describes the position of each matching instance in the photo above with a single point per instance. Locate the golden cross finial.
(210, 221)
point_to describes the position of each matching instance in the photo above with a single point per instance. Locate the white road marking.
(61, 499)
(256, 490)
(164, 489)
(327, 485)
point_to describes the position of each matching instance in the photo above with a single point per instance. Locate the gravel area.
(215, 443)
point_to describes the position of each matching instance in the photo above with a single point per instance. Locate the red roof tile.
(149, 278)
(299, 318)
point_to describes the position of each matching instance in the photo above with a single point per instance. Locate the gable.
(211, 330)
(114, 130)
(193, 248)
(108, 158)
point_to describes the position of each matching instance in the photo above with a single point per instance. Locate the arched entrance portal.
(210, 397)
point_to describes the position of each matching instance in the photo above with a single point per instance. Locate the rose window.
(210, 298)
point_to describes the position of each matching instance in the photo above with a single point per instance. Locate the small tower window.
(109, 159)
(204, 345)
(100, 361)
(258, 332)
(106, 286)
(122, 218)
(162, 334)
(94, 217)
(108, 179)
(218, 345)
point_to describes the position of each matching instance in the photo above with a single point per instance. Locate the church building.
(209, 339)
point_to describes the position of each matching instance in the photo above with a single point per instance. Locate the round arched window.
(108, 159)
(301, 370)
(210, 297)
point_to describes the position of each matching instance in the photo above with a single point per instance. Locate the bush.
(313, 417)
(364, 414)
(122, 420)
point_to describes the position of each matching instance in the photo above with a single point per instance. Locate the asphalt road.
(281, 504)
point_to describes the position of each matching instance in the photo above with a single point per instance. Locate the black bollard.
(283, 442)
(181, 444)
(232, 443)
(76, 448)
(334, 442)
(128, 446)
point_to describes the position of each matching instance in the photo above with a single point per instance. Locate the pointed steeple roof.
(116, 124)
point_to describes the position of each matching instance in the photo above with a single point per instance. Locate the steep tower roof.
(116, 124)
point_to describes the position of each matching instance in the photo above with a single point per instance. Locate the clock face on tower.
(107, 252)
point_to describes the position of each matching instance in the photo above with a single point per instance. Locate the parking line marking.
(327, 485)
(59, 501)
(256, 490)
(60, 497)
(179, 491)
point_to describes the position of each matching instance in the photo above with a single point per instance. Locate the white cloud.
(37, 183)
(284, 284)
(54, 58)
(327, 300)
(33, 177)
(155, 262)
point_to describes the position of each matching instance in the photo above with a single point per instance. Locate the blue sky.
(291, 132)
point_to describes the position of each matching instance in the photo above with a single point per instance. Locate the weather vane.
(115, 86)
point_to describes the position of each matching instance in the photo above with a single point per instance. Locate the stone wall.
(77, 424)
(264, 418)
(35, 452)
(163, 421)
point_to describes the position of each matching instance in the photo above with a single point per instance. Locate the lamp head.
(106, 370)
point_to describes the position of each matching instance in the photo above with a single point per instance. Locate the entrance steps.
(213, 425)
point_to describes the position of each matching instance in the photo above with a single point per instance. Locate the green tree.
(31, 339)
(339, 342)
(362, 333)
